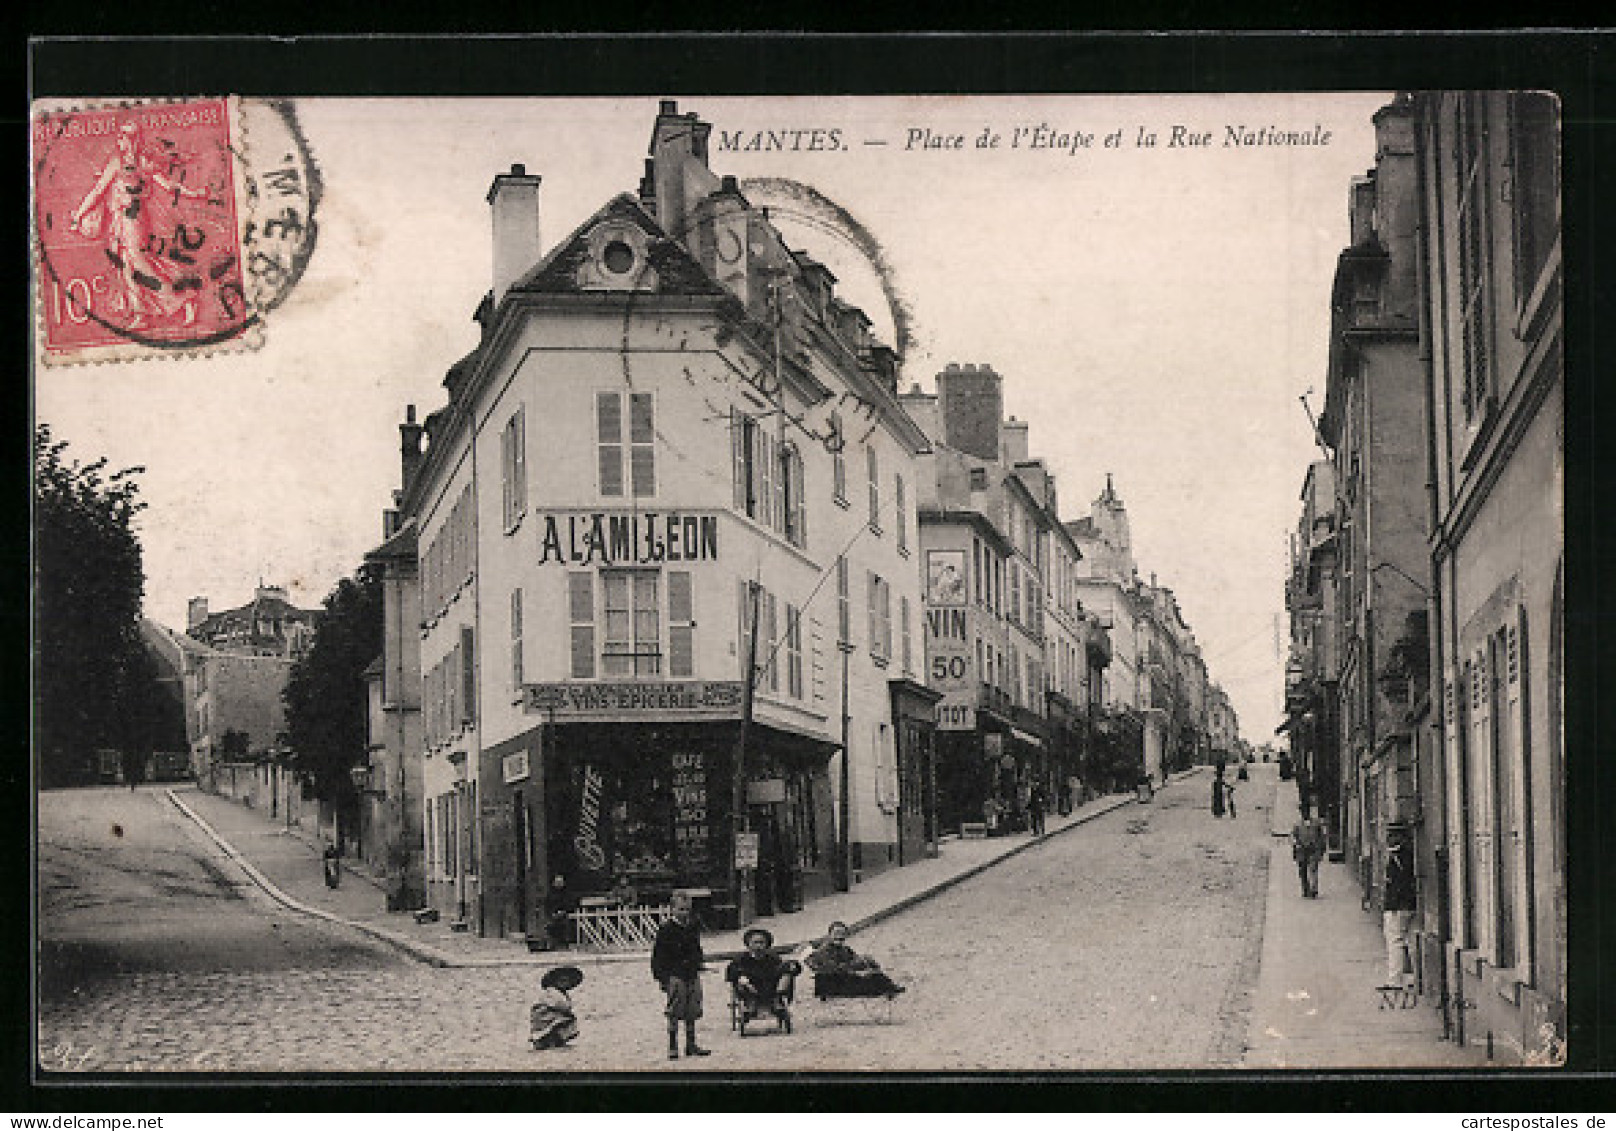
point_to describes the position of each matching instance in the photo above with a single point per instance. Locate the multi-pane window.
(872, 466)
(581, 612)
(516, 640)
(636, 448)
(513, 468)
(681, 626)
(633, 638)
(880, 608)
(1015, 592)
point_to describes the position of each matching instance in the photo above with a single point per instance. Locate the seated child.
(840, 971)
(552, 1022)
(762, 979)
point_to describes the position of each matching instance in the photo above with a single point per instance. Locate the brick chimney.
(196, 612)
(513, 201)
(971, 400)
(409, 437)
(679, 174)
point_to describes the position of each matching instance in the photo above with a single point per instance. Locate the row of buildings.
(1425, 689)
(681, 591)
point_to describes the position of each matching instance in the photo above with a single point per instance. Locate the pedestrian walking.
(1397, 903)
(331, 860)
(1307, 849)
(1228, 798)
(1217, 793)
(551, 1021)
(1037, 802)
(676, 964)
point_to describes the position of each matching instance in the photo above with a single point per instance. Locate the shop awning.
(1023, 736)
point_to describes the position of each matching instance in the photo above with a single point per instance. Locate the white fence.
(618, 928)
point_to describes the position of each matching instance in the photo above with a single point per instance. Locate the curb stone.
(435, 957)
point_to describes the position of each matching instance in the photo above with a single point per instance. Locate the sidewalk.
(285, 863)
(1315, 1003)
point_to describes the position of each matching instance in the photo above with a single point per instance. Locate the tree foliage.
(325, 693)
(95, 682)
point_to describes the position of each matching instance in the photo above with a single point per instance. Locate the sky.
(1157, 312)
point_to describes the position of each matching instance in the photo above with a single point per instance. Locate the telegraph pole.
(738, 816)
(846, 791)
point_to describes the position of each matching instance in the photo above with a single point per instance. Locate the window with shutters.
(844, 604)
(516, 640)
(470, 823)
(581, 612)
(768, 652)
(908, 641)
(838, 481)
(872, 465)
(886, 768)
(513, 469)
(1470, 150)
(1535, 185)
(468, 678)
(879, 595)
(681, 625)
(900, 513)
(625, 447)
(768, 478)
(794, 684)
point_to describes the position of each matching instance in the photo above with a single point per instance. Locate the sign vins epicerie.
(644, 538)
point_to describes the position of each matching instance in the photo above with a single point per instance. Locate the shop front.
(635, 809)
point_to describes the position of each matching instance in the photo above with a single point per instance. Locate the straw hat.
(563, 978)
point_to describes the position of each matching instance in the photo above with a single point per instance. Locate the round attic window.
(618, 257)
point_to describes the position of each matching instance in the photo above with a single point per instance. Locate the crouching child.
(552, 1022)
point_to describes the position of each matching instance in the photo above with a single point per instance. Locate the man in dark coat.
(676, 964)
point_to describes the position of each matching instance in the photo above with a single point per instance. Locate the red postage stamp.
(138, 228)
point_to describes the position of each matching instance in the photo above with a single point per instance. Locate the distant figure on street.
(1307, 849)
(993, 815)
(676, 964)
(331, 859)
(551, 1021)
(1228, 798)
(1037, 802)
(1217, 793)
(1398, 907)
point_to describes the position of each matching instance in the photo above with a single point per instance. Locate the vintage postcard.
(711, 584)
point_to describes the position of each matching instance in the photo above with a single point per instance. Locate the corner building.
(674, 451)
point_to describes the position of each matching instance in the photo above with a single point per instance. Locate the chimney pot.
(518, 170)
(669, 106)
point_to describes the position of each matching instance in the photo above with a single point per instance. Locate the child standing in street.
(552, 1022)
(676, 964)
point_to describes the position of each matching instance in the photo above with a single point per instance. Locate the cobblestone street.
(1129, 942)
